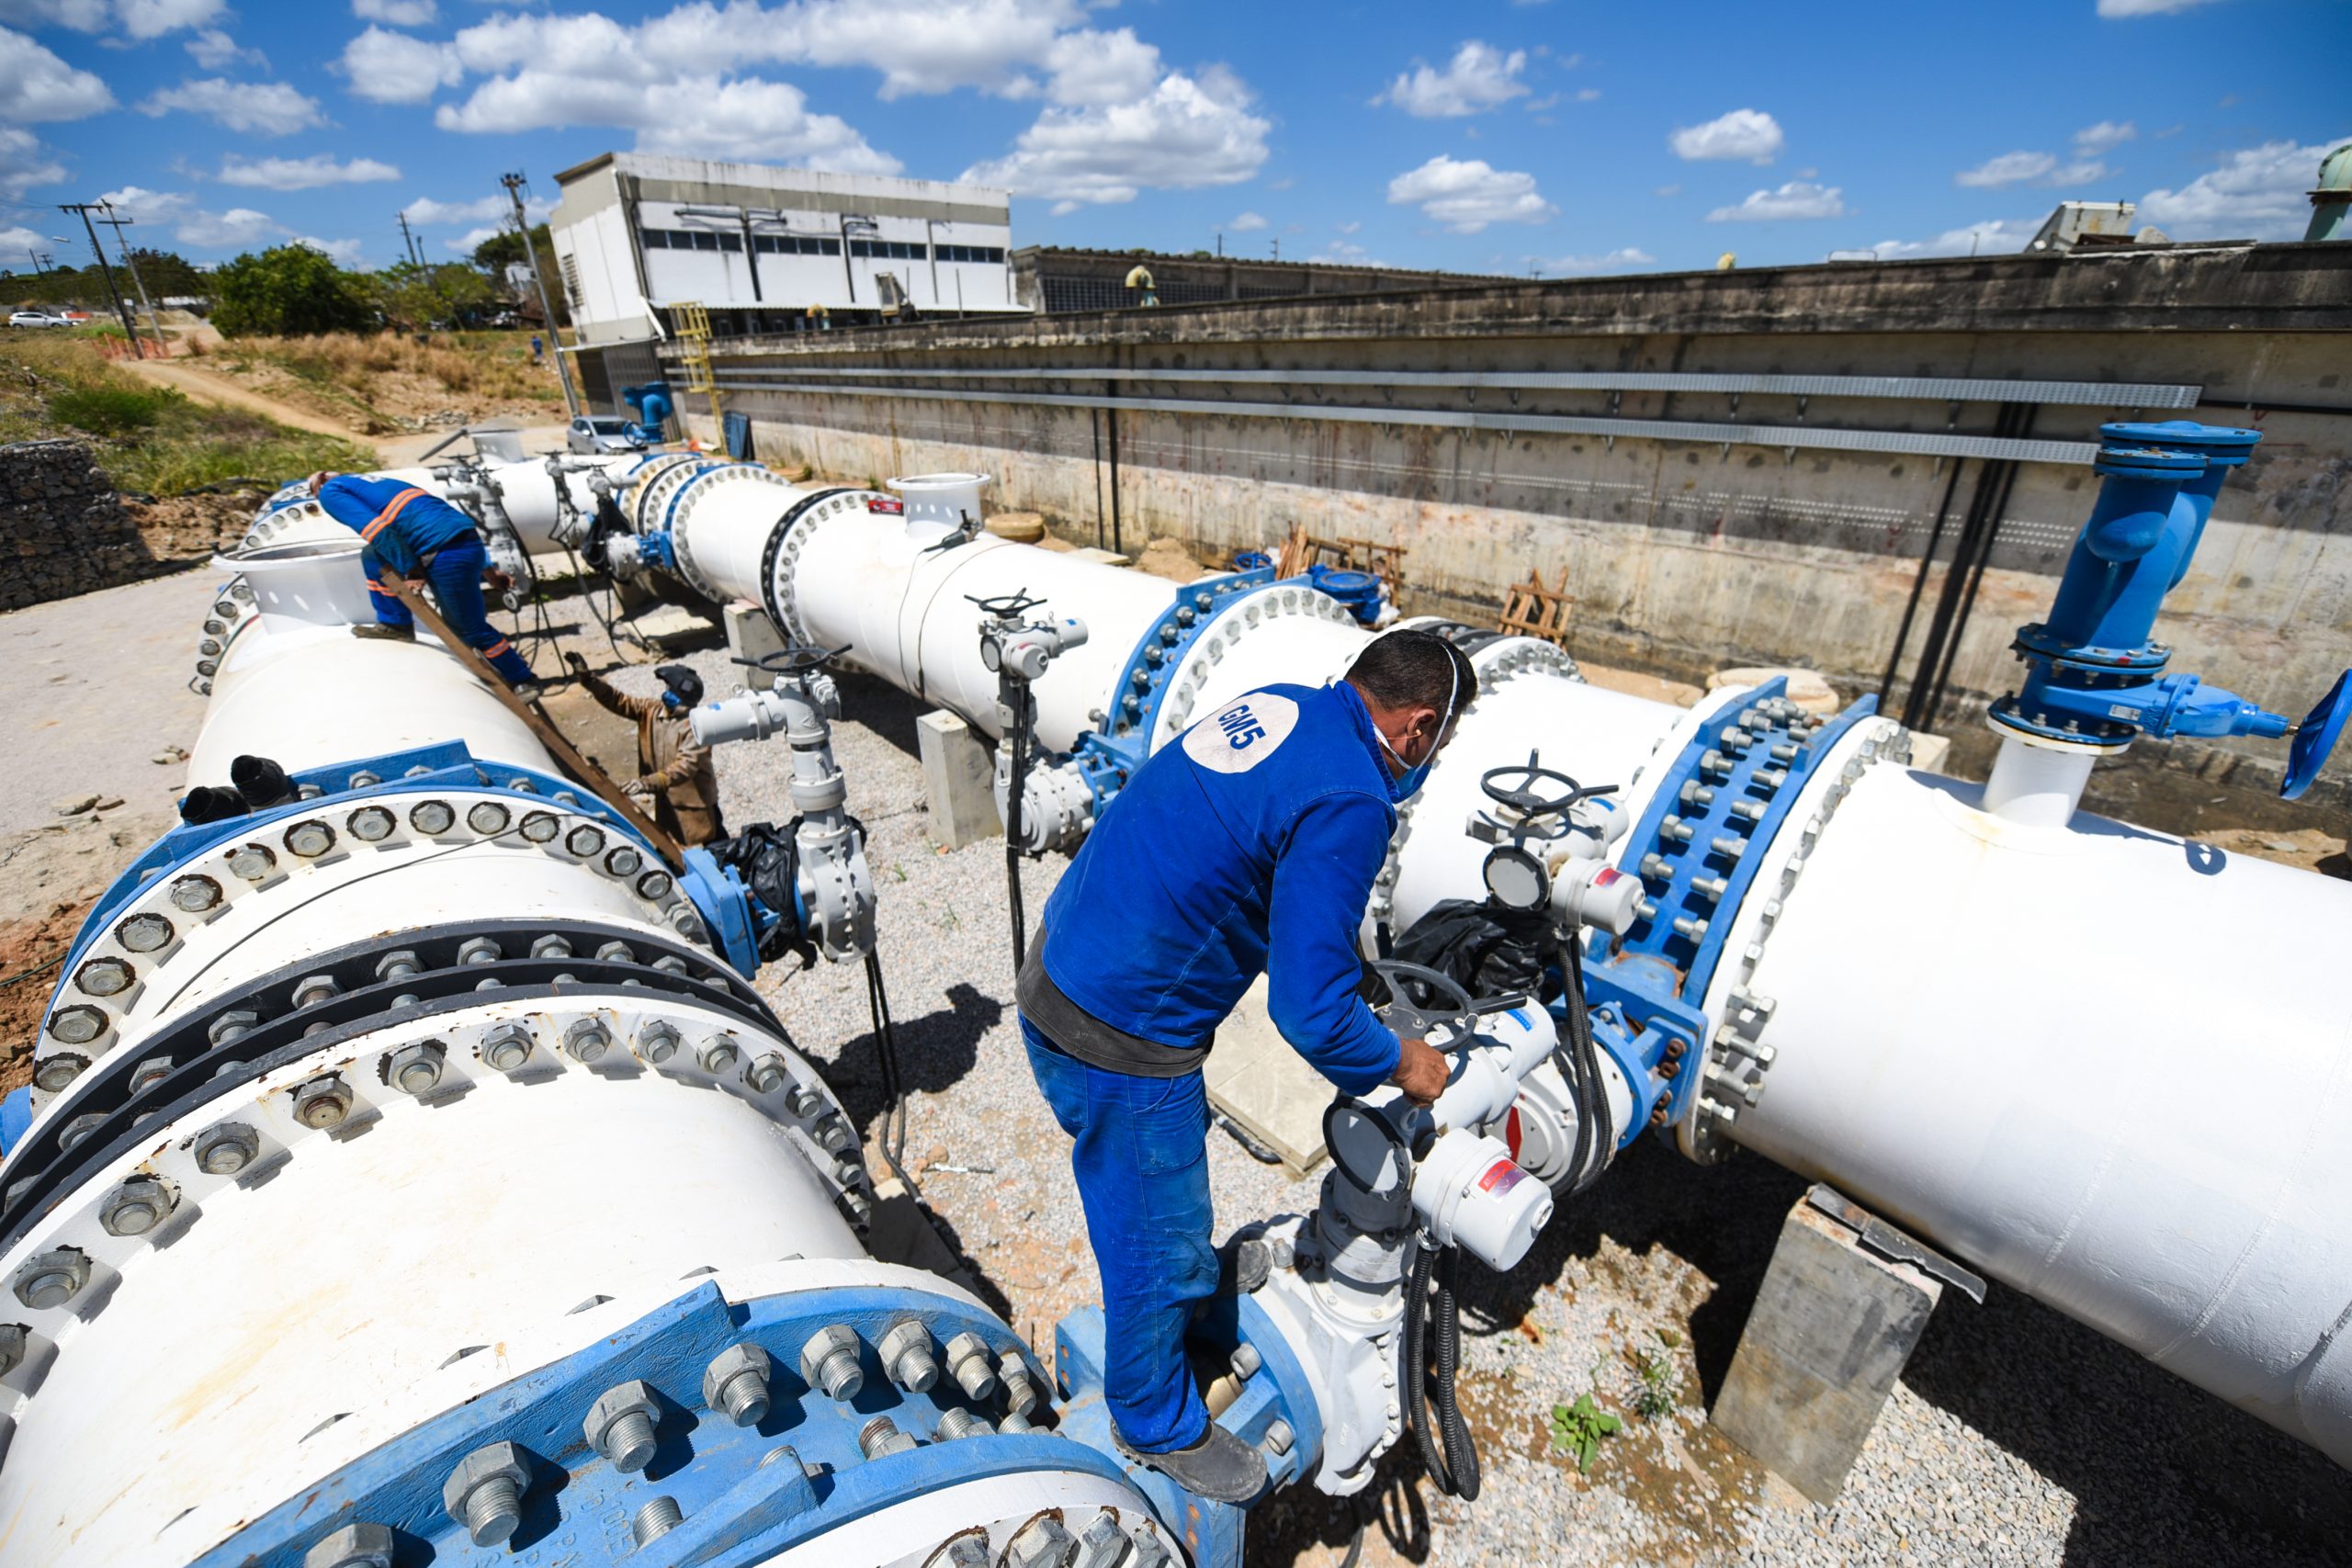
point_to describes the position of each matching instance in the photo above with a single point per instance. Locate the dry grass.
(383, 376)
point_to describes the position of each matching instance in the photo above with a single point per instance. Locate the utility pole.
(408, 240)
(1278, 247)
(154, 322)
(86, 209)
(514, 184)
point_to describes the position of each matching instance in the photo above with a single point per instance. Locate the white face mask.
(1415, 772)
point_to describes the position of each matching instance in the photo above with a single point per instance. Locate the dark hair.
(1415, 669)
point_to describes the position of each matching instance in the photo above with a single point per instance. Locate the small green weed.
(1659, 1387)
(1577, 1430)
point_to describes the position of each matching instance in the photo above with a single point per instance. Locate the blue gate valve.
(2096, 676)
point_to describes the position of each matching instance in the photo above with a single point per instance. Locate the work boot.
(1220, 1467)
(527, 692)
(389, 633)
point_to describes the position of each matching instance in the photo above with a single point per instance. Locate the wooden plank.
(567, 755)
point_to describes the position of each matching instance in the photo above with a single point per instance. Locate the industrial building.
(763, 250)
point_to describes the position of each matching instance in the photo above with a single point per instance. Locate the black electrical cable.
(1461, 1449)
(891, 1140)
(1018, 769)
(1448, 1452)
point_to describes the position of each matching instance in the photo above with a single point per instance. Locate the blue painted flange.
(1143, 680)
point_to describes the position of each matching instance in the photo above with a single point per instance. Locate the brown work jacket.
(685, 785)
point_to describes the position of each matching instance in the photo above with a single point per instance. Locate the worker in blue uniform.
(1248, 844)
(406, 532)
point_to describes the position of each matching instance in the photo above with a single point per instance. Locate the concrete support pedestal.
(1829, 1333)
(959, 781)
(750, 635)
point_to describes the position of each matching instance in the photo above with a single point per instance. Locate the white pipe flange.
(693, 494)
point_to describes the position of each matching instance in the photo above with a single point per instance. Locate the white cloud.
(346, 252)
(1340, 253)
(1348, 228)
(147, 206)
(464, 244)
(486, 209)
(393, 68)
(745, 118)
(35, 84)
(1465, 195)
(1247, 223)
(239, 226)
(23, 164)
(1624, 260)
(17, 244)
(1798, 199)
(214, 50)
(1093, 68)
(398, 12)
(2035, 168)
(2119, 8)
(303, 174)
(1478, 77)
(140, 19)
(2104, 137)
(1188, 132)
(1994, 236)
(266, 108)
(1749, 134)
(2258, 193)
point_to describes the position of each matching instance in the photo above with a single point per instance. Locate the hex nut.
(1279, 1435)
(964, 1551)
(957, 1422)
(719, 1054)
(1101, 1543)
(313, 989)
(485, 1491)
(478, 949)
(400, 965)
(136, 1207)
(353, 1546)
(1042, 1544)
(13, 1340)
(620, 1424)
(830, 1361)
(881, 1437)
(52, 1279)
(226, 1149)
(905, 1351)
(736, 1384)
(552, 945)
(229, 1025)
(968, 1363)
(417, 1069)
(1020, 1388)
(586, 1040)
(1015, 1422)
(506, 1046)
(323, 1102)
(804, 1101)
(766, 1075)
(657, 1043)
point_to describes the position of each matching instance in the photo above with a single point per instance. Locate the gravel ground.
(2015, 1436)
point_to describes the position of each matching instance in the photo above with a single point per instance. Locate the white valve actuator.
(1594, 893)
(1469, 1194)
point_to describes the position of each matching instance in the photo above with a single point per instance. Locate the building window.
(728, 241)
(988, 255)
(892, 250)
(654, 238)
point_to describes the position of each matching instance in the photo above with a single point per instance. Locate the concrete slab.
(1266, 1088)
(958, 781)
(750, 635)
(674, 626)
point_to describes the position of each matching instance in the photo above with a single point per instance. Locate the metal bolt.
(964, 1551)
(194, 895)
(150, 1073)
(417, 1069)
(431, 818)
(584, 841)
(968, 1363)
(657, 1043)
(12, 1347)
(77, 1025)
(1685, 925)
(1246, 1361)
(1042, 1544)
(135, 1207)
(653, 886)
(507, 1046)
(541, 827)
(487, 818)
(1014, 1421)
(766, 1075)
(830, 1361)
(323, 1102)
(616, 953)
(958, 1422)
(485, 1491)
(79, 1128)
(835, 1136)
(313, 989)
(804, 1101)
(1148, 1552)
(719, 1053)
(657, 1518)
(252, 862)
(736, 1384)
(586, 1040)
(905, 1351)
(1102, 1543)
(1020, 1392)
(620, 1424)
(400, 965)
(880, 1436)
(623, 861)
(226, 1149)
(144, 933)
(1279, 1435)
(353, 1546)
(311, 839)
(52, 1279)
(1677, 830)
(479, 950)
(371, 824)
(552, 946)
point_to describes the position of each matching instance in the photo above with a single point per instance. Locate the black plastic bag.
(1487, 950)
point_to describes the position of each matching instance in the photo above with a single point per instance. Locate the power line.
(154, 322)
(86, 209)
(515, 185)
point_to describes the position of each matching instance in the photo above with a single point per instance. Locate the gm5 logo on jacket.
(1243, 733)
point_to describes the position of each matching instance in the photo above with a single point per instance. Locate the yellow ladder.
(694, 349)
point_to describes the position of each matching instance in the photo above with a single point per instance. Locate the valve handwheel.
(1420, 1000)
(797, 659)
(1523, 797)
(1005, 607)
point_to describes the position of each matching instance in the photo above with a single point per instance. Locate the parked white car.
(601, 434)
(36, 318)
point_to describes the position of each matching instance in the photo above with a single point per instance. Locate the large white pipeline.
(2101, 1064)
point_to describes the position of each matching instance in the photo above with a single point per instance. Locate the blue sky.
(1562, 137)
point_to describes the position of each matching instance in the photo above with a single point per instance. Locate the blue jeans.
(455, 574)
(1142, 1163)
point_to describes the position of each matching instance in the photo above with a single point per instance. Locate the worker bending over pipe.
(1249, 845)
(406, 532)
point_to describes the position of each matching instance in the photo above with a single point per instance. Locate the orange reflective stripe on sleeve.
(495, 648)
(376, 523)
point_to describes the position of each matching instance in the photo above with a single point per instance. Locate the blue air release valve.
(2096, 677)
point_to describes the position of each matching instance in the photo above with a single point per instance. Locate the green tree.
(165, 272)
(287, 291)
(494, 255)
(448, 294)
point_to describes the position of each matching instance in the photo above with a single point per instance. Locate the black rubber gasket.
(41, 1170)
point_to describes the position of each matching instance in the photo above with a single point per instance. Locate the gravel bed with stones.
(2015, 1436)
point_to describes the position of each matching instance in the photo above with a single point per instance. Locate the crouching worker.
(410, 533)
(671, 769)
(1249, 845)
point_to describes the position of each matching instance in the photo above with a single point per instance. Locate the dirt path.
(205, 387)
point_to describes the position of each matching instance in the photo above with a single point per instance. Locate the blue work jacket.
(1248, 844)
(399, 523)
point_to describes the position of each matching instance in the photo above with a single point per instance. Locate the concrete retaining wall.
(1686, 556)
